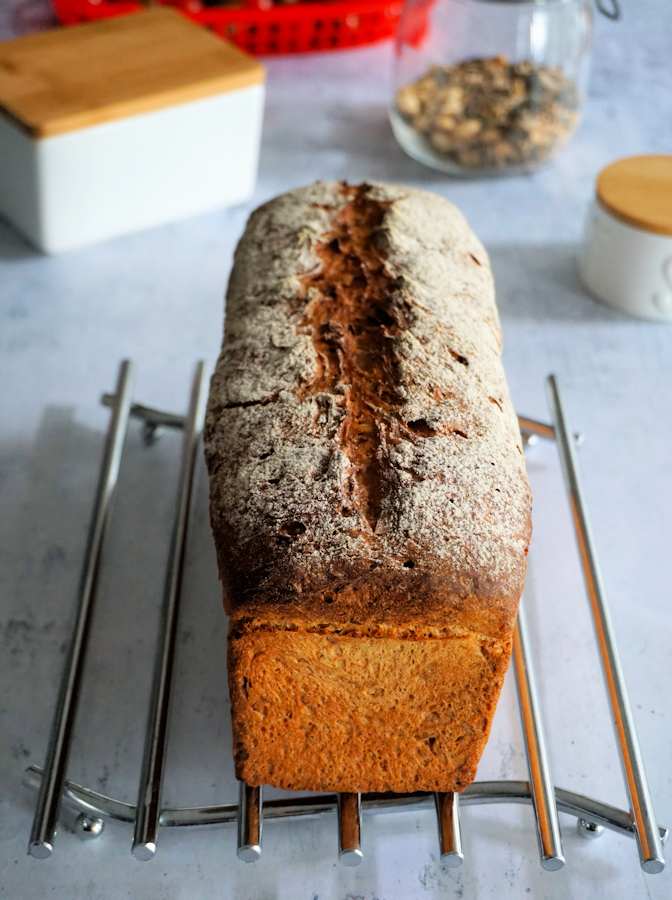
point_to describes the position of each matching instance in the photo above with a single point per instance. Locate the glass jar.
(489, 86)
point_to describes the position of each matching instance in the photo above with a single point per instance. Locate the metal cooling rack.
(58, 796)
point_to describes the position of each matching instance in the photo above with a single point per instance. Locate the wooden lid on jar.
(70, 78)
(638, 190)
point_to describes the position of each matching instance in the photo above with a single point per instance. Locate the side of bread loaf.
(369, 501)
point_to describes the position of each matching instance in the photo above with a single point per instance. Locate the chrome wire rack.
(61, 797)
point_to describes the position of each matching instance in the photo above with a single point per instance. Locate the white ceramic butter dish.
(124, 124)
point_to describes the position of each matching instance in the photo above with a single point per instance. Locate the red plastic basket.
(264, 29)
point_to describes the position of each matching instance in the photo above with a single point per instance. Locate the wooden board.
(71, 78)
(638, 190)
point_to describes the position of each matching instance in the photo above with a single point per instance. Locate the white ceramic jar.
(626, 255)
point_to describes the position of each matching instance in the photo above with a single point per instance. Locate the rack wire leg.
(541, 783)
(649, 844)
(350, 829)
(149, 793)
(450, 835)
(42, 834)
(250, 822)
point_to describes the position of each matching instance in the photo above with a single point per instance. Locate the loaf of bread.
(369, 500)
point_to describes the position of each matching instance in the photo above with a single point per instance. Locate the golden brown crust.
(366, 474)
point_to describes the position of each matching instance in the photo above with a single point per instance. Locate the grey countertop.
(157, 297)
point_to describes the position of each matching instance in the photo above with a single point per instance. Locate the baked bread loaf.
(369, 500)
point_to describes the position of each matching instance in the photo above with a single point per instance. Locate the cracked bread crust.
(367, 482)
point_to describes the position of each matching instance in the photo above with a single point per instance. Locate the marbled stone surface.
(157, 297)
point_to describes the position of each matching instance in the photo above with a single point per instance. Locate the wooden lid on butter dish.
(71, 78)
(638, 190)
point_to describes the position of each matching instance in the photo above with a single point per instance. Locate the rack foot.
(589, 830)
(88, 828)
